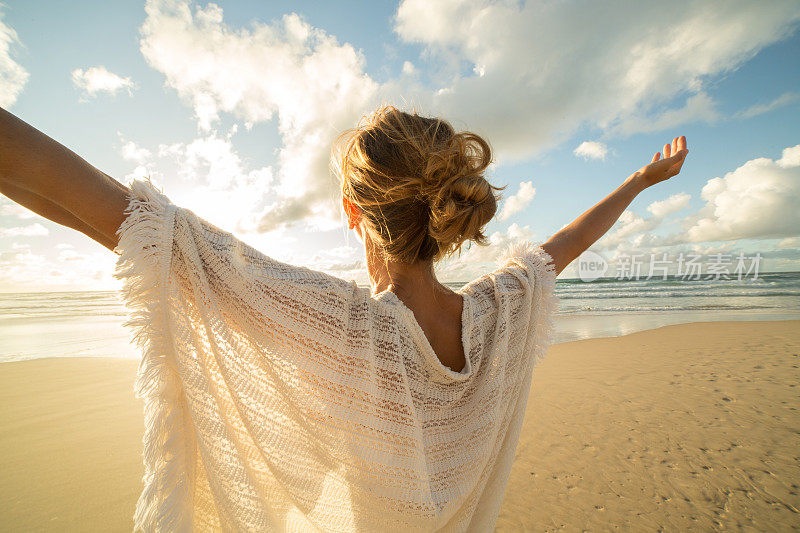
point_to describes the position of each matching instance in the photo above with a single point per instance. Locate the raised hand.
(573, 239)
(663, 168)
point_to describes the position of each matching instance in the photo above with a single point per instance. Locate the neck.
(407, 281)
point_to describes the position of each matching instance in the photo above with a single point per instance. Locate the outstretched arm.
(53, 181)
(51, 211)
(570, 242)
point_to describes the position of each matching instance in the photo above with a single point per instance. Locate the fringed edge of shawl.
(145, 247)
(545, 302)
(538, 264)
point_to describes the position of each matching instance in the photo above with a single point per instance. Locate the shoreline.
(567, 328)
(688, 426)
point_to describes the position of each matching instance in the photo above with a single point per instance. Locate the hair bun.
(461, 200)
(418, 184)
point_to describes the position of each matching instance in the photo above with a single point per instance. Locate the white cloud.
(224, 191)
(759, 109)
(759, 199)
(408, 68)
(629, 226)
(133, 152)
(13, 209)
(170, 149)
(13, 76)
(140, 172)
(634, 230)
(25, 270)
(31, 230)
(591, 150)
(337, 253)
(68, 254)
(345, 262)
(94, 80)
(698, 108)
(216, 156)
(476, 260)
(519, 201)
(304, 77)
(550, 68)
(790, 157)
(674, 203)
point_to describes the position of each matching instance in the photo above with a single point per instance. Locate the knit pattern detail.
(280, 398)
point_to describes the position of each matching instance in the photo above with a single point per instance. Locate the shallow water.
(71, 324)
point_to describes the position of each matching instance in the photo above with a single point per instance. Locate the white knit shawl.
(279, 398)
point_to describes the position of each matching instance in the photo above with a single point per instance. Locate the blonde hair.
(420, 186)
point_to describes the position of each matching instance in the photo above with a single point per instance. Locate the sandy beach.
(692, 426)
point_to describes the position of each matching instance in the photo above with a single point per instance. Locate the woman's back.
(280, 395)
(439, 316)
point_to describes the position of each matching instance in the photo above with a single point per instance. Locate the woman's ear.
(352, 212)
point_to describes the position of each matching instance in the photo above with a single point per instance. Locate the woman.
(281, 398)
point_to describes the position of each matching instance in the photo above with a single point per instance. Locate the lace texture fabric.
(279, 398)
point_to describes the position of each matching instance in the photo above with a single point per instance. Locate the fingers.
(670, 160)
(672, 149)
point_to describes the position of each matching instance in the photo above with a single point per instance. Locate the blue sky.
(231, 108)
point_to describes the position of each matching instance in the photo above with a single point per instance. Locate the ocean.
(89, 324)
